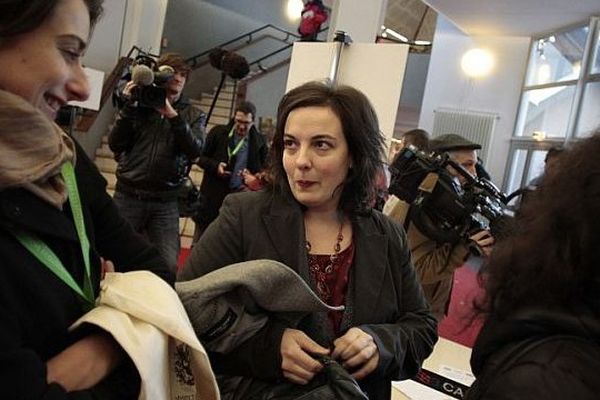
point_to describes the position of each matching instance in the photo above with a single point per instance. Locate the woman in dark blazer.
(41, 45)
(315, 218)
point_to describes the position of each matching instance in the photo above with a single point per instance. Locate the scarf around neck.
(32, 150)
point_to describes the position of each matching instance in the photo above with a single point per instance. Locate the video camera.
(447, 211)
(150, 80)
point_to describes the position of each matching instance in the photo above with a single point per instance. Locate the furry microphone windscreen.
(215, 57)
(142, 75)
(235, 65)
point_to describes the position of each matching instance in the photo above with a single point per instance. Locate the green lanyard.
(47, 257)
(231, 153)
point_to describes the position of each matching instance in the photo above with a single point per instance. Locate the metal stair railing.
(196, 61)
(250, 37)
(262, 69)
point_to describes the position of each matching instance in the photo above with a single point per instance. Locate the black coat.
(36, 307)
(154, 152)
(539, 354)
(384, 297)
(214, 188)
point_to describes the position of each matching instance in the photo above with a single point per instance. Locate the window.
(560, 100)
(589, 119)
(553, 71)
(557, 57)
(546, 110)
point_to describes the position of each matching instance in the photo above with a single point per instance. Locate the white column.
(361, 19)
(144, 22)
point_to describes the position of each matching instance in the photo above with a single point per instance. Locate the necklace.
(336, 249)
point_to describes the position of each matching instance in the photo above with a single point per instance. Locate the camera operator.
(435, 262)
(154, 146)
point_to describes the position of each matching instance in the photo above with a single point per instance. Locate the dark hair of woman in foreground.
(541, 337)
(23, 16)
(554, 257)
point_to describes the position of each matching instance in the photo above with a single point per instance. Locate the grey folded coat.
(229, 305)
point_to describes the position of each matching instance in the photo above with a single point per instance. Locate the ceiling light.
(294, 9)
(397, 35)
(577, 68)
(544, 73)
(422, 42)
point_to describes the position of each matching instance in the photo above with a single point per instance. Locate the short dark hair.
(418, 138)
(552, 259)
(176, 61)
(20, 16)
(246, 107)
(361, 130)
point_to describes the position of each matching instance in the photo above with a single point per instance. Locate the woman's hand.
(85, 363)
(357, 352)
(296, 362)
(106, 266)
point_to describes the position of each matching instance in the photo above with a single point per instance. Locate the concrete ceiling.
(411, 18)
(514, 17)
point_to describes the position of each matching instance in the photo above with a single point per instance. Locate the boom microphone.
(235, 65)
(229, 62)
(142, 75)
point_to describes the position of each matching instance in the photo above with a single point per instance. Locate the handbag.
(332, 383)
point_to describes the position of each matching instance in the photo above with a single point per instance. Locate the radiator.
(476, 126)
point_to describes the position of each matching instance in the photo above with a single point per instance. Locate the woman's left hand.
(357, 352)
(106, 266)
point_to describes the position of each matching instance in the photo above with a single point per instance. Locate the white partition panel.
(375, 69)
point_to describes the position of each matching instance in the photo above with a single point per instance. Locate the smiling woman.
(52, 233)
(316, 218)
(51, 55)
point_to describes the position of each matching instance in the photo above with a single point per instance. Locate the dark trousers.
(158, 220)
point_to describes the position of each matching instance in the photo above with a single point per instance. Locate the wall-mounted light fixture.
(386, 32)
(294, 9)
(477, 63)
(538, 135)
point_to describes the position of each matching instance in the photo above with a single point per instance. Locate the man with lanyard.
(231, 153)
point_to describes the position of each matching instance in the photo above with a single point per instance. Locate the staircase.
(107, 165)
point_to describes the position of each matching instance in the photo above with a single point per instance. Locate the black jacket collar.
(525, 324)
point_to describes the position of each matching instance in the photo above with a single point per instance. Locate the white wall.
(123, 25)
(105, 44)
(266, 92)
(360, 19)
(144, 23)
(447, 86)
